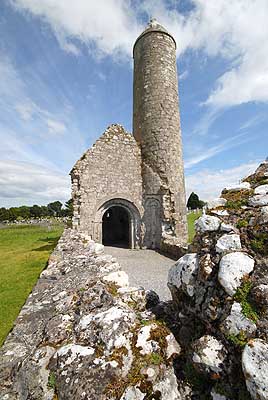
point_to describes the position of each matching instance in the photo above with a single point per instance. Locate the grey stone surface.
(262, 189)
(145, 268)
(217, 202)
(258, 200)
(233, 267)
(227, 314)
(183, 274)
(142, 173)
(228, 243)
(237, 322)
(207, 223)
(255, 367)
(108, 174)
(82, 332)
(209, 354)
(264, 215)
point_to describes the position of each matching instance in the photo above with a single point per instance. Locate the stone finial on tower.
(153, 23)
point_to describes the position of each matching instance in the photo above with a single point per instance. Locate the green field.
(24, 251)
(191, 219)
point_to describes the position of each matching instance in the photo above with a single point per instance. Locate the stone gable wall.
(111, 169)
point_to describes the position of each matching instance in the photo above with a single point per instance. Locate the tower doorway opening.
(116, 227)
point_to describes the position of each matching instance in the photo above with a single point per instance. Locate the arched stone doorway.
(129, 215)
(116, 227)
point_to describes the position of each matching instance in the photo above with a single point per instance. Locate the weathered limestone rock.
(220, 213)
(237, 188)
(228, 243)
(260, 294)
(218, 202)
(262, 189)
(227, 227)
(209, 354)
(258, 200)
(120, 278)
(236, 322)
(233, 267)
(264, 215)
(255, 367)
(217, 396)
(182, 274)
(84, 334)
(207, 223)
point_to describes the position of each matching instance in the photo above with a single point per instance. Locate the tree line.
(54, 209)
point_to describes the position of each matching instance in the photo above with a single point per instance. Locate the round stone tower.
(156, 126)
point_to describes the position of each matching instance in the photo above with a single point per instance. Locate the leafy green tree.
(24, 212)
(4, 214)
(44, 211)
(68, 208)
(55, 208)
(13, 213)
(194, 202)
(35, 211)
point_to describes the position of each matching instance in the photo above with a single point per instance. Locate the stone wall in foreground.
(220, 294)
(85, 334)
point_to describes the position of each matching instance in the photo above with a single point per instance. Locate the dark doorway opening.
(115, 227)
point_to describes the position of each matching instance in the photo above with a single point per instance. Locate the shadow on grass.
(51, 244)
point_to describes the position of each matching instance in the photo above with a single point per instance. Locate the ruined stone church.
(128, 190)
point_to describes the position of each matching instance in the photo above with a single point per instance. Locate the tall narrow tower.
(156, 126)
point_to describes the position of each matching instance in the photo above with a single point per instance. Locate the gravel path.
(145, 268)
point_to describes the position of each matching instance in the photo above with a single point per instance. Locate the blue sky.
(66, 74)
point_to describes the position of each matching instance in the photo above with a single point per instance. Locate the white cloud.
(28, 183)
(13, 96)
(108, 24)
(208, 184)
(236, 30)
(25, 111)
(252, 122)
(55, 127)
(206, 153)
(183, 75)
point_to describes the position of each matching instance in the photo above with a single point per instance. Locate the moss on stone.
(242, 295)
(238, 340)
(242, 223)
(117, 355)
(260, 243)
(235, 205)
(236, 195)
(159, 334)
(155, 359)
(51, 383)
(112, 288)
(135, 377)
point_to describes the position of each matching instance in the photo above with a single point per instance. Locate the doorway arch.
(134, 220)
(116, 227)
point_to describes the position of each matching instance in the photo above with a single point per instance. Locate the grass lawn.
(24, 251)
(191, 219)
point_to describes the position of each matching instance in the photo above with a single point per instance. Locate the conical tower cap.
(154, 26)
